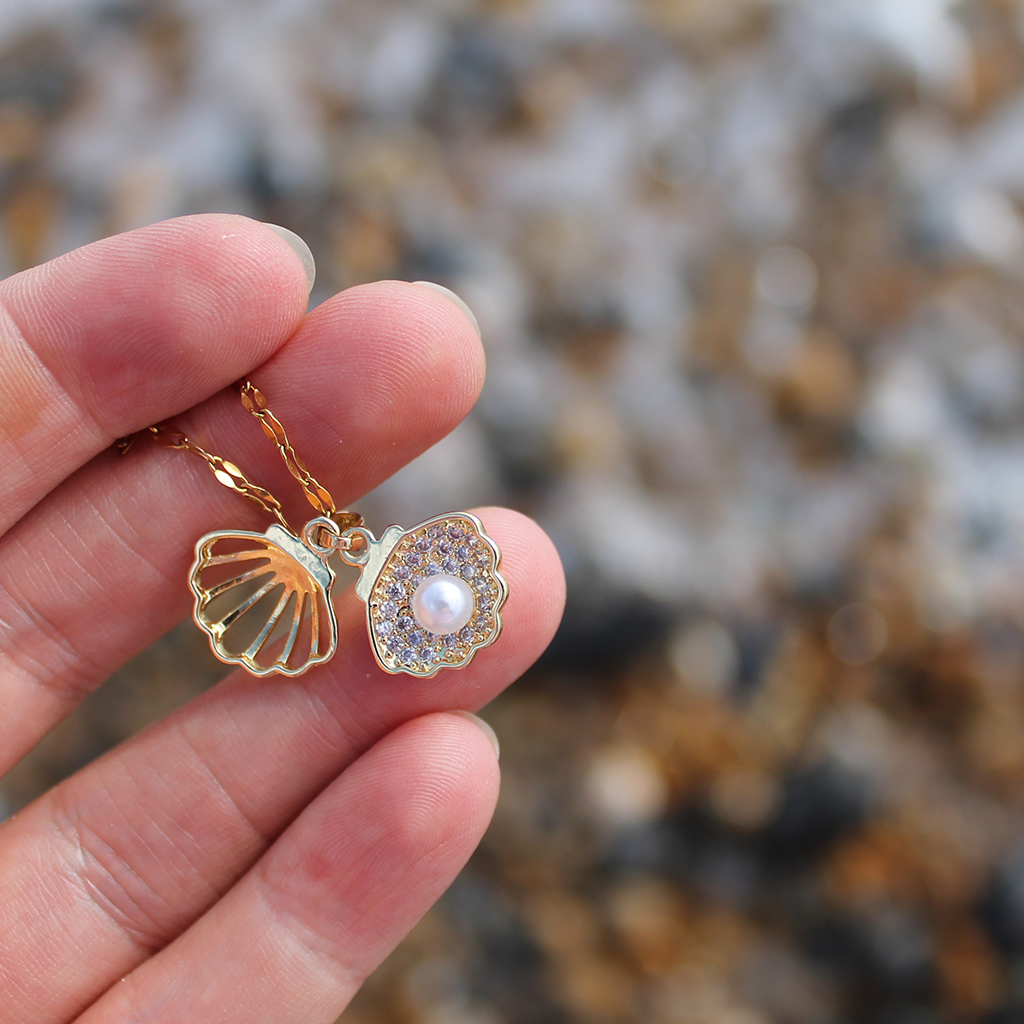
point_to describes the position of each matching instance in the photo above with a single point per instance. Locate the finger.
(129, 330)
(118, 860)
(371, 379)
(297, 936)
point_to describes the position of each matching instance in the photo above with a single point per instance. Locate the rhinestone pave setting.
(456, 545)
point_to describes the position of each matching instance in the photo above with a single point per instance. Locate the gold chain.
(228, 474)
(319, 497)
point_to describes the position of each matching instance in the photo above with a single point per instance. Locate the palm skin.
(256, 854)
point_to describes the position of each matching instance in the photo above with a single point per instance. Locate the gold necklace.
(433, 594)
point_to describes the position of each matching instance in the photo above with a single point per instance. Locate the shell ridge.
(289, 564)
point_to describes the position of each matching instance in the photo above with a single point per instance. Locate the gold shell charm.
(264, 601)
(433, 594)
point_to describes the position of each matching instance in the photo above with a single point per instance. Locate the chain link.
(228, 474)
(317, 495)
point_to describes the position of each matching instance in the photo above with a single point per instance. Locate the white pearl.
(443, 604)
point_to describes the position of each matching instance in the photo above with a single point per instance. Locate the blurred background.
(749, 275)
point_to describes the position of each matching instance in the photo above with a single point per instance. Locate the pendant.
(433, 594)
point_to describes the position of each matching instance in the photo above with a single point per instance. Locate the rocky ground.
(749, 276)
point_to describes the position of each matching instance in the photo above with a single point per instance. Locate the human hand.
(254, 856)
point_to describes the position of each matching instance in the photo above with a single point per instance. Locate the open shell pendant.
(433, 594)
(264, 600)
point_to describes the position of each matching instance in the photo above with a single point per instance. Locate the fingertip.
(451, 296)
(531, 564)
(429, 315)
(249, 261)
(425, 790)
(298, 246)
(485, 727)
(428, 360)
(456, 764)
(142, 325)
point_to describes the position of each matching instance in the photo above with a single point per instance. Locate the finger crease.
(263, 837)
(68, 675)
(105, 877)
(314, 946)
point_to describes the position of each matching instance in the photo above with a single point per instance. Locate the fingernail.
(300, 249)
(480, 723)
(449, 294)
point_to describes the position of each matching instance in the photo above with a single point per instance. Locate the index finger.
(130, 330)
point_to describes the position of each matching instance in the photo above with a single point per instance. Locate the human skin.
(256, 854)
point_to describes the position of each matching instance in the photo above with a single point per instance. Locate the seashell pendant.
(264, 600)
(433, 594)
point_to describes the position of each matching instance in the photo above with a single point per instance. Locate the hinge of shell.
(325, 534)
